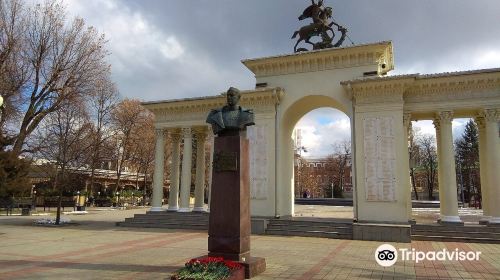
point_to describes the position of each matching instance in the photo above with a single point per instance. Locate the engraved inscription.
(380, 181)
(225, 161)
(258, 162)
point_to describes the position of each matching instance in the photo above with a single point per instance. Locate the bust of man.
(231, 118)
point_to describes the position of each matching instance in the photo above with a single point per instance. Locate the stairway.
(171, 220)
(310, 228)
(452, 233)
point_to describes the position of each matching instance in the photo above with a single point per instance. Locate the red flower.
(207, 260)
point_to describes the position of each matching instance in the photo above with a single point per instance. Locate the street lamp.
(1, 104)
(117, 199)
(34, 201)
(78, 193)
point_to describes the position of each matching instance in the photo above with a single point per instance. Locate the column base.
(173, 209)
(455, 220)
(156, 209)
(494, 221)
(199, 209)
(184, 210)
(485, 220)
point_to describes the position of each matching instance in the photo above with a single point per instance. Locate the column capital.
(176, 137)
(436, 123)
(187, 132)
(201, 133)
(480, 121)
(160, 132)
(490, 115)
(444, 116)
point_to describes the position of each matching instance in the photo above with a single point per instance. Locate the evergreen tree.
(13, 175)
(467, 161)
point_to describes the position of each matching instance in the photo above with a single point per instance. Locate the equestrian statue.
(320, 26)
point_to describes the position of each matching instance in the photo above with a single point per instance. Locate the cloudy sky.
(165, 49)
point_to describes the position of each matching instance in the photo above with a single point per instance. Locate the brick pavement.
(95, 249)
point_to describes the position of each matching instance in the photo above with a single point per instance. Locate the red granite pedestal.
(229, 224)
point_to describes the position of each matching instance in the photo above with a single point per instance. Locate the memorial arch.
(353, 80)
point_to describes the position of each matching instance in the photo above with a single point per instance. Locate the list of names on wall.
(258, 161)
(379, 152)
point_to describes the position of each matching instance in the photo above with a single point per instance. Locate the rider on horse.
(314, 11)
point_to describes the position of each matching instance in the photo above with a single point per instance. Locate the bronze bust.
(231, 118)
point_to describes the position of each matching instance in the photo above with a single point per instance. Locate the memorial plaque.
(379, 150)
(258, 162)
(225, 161)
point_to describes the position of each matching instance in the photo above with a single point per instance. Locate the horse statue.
(319, 27)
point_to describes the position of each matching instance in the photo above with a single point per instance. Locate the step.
(165, 219)
(437, 228)
(473, 234)
(453, 239)
(164, 225)
(310, 226)
(323, 234)
(329, 229)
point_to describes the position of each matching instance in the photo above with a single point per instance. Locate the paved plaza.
(94, 248)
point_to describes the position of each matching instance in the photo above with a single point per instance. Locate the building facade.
(353, 80)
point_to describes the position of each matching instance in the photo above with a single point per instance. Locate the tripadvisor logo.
(386, 255)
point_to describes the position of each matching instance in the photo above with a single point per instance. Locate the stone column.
(186, 170)
(159, 175)
(485, 197)
(199, 191)
(173, 199)
(492, 141)
(446, 168)
(407, 129)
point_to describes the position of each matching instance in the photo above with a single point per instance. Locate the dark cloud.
(428, 36)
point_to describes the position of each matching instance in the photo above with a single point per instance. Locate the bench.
(23, 202)
(54, 202)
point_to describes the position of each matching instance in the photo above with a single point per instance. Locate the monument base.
(254, 266)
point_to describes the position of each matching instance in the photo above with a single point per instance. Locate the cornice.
(260, 100)
(416, 88)
(379, 92)
(320, 60)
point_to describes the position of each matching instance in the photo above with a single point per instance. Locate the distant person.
(304, 195)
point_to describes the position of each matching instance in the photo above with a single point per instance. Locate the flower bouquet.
(210, 268)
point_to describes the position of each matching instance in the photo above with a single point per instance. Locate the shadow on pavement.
(91, 266)
(87, 225)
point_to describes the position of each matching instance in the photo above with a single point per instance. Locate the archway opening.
(323, 177)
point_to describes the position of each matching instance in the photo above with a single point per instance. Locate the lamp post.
(78, 203)
(117, 199)
(1, 105)
(33, 206)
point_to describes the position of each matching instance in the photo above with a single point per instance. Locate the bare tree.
(143, 150)
(13, 69)
(127, 118)
(337, 164)
(62, 61)
(103, 100)
(63, 140)
(428, 161)
(414, 149)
